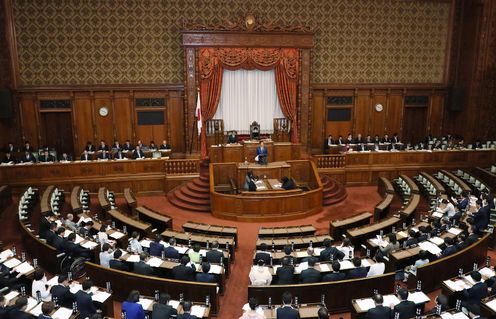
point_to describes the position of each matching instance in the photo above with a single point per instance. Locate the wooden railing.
(330, 161)
(182, 166)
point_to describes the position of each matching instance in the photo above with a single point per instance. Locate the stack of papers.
(487, 272)
(492, 304)
(174, 303)
(454, 231)
(366, 263)
(346, 264)
(133, 258)
(418, 297)
(457, 285)
(437, 240)
(146, 303)
(11, 295)
(437, 214)
(198, 311)
(36, 311)
(365, 304)
(458, 315)
(154, 262)
(12, 262)
(89, 244)
(6, 254)
(390, 299)
(324, 267)
(117, 235)
(62, 313)
(181, 249)
(430, 247)
(24, 268)
(215, 269)
(100, 296)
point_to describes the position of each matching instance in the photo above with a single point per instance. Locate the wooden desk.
(130, 200)
(45, 200)
(381, 210)
(438, 186)
(157, 220)
(75, 200)
(486, 176)
(408, 211)
(103, 199)
(464, 187)
(213, 230)
(359, 313)
(337, 294)
(384, 186)
(306, 311)
(131, 224)
(46, 254)
(226, 243)
(277, 151)
(433, 273)
(5, 197)
(273, 232)
(297, 242)
(122, 280)
(411, 184)
(266, 206)
(338, 227)
(359, 235)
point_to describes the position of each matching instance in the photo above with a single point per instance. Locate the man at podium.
(262, 154)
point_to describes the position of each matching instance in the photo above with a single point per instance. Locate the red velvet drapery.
(212, 61)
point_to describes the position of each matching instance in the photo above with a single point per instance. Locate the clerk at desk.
(262, 154)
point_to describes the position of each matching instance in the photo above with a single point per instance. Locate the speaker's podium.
(269, 201)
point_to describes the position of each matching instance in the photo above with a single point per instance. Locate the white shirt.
(260, 276)
(346, 251)
(449, 210)
(376, 269)
(105, 258)
(136, 246)
(102, 238)
(40, 285)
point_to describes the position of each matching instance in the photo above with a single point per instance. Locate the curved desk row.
(5, 197)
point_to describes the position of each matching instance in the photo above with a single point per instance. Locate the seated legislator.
(119, 155)
(349, 139)
(132, 308)
(165, 146)
(232, 138)
(103, 146)
(340, 140)
(171, 252)
(285, 273)
(287, 183)
(262, 154)
(205, 276)
(214, 255)
(186, 311)
(358, 271)
(310, 275)
(250, 182)
(475, 294)
(28, 158)
(62, 292)
(141, 267)
(162, 309)
(379, 311)
(263, 254)
(19, 308)
(9, 159)
(141, 145)
(287, 311)
(117, 146)
(84, 302)
(325, 255)
(86, 156)
(127, 146)
(183, 271)
(65, 158)
(152, 146)
(406, 308)
(90, 147)
(359, 139)
(9, 148)
(27, 147)
(46, 157)
(156, 247)
(260, 274)
(335, 275)
(118, 264)
(104, 156)
(138, 153)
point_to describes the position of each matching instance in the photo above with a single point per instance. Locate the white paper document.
(100, 296)
(454, 231)
(12, 262)
(418, 297)
(146, 303)
(62, 313)
(198, 311)
(430, 247)
(133, 258)
(154, 262)
(24, 268)
(365, 304)
(117, 235)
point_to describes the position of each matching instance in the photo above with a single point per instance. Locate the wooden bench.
(158, 221)
(130, 200)
(77, 208)
(103, 199)
(296, 241)
(202, 240)
(463, 186)
(407, 213)
(45, 200)
(435, 183)
(413, 187)
(338, 227)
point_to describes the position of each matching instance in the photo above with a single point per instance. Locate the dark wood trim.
(10, 35)
(377, 86)
(247, 39)
(102, 87)
(449, 43)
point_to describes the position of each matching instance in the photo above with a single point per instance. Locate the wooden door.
(57, 131)
(414, 124)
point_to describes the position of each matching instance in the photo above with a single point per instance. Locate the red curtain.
(212, 61)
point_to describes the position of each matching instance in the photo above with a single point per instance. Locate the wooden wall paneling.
(103, 124)
(305, 107)
(395, 113)
(83, 116)
(435, 118)
(361, 113)
(122, 119)
(318, 132)
(378, 119)
(29, 123)
(176, 117)
(415, 124)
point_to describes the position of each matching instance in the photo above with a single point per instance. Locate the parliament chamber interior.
(247, 159)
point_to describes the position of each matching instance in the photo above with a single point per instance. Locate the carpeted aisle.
(359, 199)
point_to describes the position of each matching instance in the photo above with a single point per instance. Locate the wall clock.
(103, 111)
(379, 107)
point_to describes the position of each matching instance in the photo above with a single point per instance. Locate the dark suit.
(104, 156)
(90, 148)
(46, 159)
(325, 255)
(474, 295)
(481, 218)
(28, 158)
(185, 316)
(165, 147)
(262, 154)
(138, 154)
(334, 276)
(9, 159)
(161, 311)
(119, 155)
(181, 272)
(359, 272)
(58, 242)
(143, 269)
(287, 312)
(18, 314)
(263, 256)
(85, 305)
(64, 295)
(44, 227)
(214, 256)
(310, 275)
(449, 250)
(203, 277)
(378, 312)
(75, 250)
(118, 264)
(171, 252)
(406, 309)
(156, 249)
(86, 157)
(285, 275)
